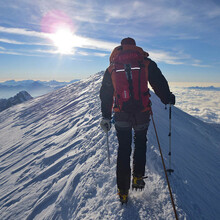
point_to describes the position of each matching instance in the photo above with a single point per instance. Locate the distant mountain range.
(35, 88)
(17, 99)
(209, 88)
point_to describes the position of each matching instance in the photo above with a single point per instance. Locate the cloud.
(83, 53)
(9, 41)
(197, 63)
(22, 31)
(94, 44)
(196, 101)
(201, 65)
(11, 53)
(176, 58)
(101, 54)
(78, 41)
(91, 16)
(47, 51)
(165, 57)
(184, 36)
(155, 13)
(87, 43)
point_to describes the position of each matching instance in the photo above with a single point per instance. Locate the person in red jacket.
(126, 121)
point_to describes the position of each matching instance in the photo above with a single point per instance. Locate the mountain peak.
(17, 99)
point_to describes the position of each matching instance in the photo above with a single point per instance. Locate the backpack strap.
(146, 64)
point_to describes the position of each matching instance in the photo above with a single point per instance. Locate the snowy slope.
(53, 162)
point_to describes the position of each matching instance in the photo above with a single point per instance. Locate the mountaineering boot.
(123, 196)
(138, 183)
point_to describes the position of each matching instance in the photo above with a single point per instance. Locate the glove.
(172, 99)
(105, 124)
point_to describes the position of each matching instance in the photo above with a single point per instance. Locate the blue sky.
(65, 39)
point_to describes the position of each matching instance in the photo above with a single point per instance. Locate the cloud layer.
(202, 102)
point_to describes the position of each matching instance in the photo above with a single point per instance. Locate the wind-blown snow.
(53, 162)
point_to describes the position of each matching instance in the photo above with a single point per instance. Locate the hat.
(128, 40)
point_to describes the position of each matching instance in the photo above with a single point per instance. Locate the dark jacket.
(156, 80)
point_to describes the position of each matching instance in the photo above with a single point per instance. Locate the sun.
(63, 40)
(60, 29)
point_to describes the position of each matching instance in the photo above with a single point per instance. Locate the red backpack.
(129, 73)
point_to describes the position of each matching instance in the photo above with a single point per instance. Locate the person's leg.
(140, 141)
(123, 172)
(124, 134)
(139, 157)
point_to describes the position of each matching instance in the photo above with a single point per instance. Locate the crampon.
(138, 183)
(123, 196)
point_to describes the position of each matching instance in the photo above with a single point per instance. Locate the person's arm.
(158, 83)
(106, 95)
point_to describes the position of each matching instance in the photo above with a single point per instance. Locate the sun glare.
(63, 40)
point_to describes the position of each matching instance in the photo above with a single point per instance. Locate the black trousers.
(124, 124)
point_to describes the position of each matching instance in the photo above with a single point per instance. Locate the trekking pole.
(164, 167)
(108, 149)
(170, 170)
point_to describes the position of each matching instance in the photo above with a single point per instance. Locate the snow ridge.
(53, 162)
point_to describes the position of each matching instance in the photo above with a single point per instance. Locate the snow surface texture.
(53, 162)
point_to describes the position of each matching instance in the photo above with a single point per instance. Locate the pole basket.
(170, 171)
